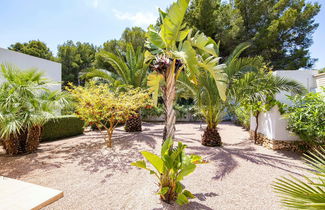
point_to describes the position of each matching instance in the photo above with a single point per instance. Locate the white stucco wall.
(52, 70)
(271, 123)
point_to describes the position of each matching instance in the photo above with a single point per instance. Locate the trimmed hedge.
(62, 127)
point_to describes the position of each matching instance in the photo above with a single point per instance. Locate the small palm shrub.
(306, 118)
(170, 169)
(26, 104)
(308, 193)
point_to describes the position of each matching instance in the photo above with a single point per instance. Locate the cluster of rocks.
(296, 146)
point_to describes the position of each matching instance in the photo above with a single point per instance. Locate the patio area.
(238, 176)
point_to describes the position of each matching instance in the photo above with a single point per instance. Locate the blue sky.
(94, 21)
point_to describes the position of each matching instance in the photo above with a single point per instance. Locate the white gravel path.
(92, 176)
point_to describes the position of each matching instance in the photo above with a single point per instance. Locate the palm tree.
(173, 49)
(208, 101)
(309, 193)
(130, 70)
(25, 105)
(256, 91)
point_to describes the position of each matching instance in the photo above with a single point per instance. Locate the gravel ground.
(238, 175)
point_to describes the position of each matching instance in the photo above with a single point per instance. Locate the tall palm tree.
(173, 48)
(130, 70)
(25, 105)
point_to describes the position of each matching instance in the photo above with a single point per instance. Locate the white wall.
(52, 70)
(271, 123)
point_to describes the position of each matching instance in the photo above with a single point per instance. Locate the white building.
(52, 70)
(272, 126)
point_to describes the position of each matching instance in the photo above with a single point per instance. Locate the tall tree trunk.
(211, 137)
(256, 128)
(169, 98)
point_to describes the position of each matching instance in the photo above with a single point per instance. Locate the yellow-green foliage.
(99, 105)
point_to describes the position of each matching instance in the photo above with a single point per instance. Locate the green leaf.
(173, 23)
(163, 191)
(140, 164)
(166, 146)
(205, 44)
(179, 187)
(186, 171)
(154, 82)
(154, 160)
(181, 199)
(154, 37)
(188, 194)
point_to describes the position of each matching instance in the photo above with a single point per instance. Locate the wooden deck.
(19, 195)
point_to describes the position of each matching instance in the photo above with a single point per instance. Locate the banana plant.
(172, 49)
(308, 193)
(171, 168)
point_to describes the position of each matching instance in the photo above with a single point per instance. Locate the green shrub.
(61, 127)
(306, 118)
(170, 169)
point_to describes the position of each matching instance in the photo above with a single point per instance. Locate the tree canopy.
(34, 47)
(280, 30)
(75, 57)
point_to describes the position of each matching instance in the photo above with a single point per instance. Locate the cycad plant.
(25, 105)
(308, 193)
(129, 69)
(173, 48)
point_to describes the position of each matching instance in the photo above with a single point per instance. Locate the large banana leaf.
(154, 82)
(172, 26)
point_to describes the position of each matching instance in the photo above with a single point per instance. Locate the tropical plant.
(26, 104)
(308, 193)
(173, 48)
(171, 168)
(208, 101)
(306, 117)
(256, 90)
(106, 108)
(128, 70)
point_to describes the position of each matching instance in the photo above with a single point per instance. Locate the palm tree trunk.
(211, 137)
(33, 139)
(256, 128)
(169, 98)
(134, 123)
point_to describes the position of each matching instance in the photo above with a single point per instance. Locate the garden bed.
(238, 175)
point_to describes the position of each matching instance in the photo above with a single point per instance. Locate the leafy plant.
(308, 193)
(170, 168)
(306, 117)
(106, 108)
(26, 104)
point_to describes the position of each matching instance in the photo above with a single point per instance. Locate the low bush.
(306, 118)
(61, 127)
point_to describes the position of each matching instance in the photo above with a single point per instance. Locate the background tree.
(280, 30)
(34, 47)
(75, 58)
